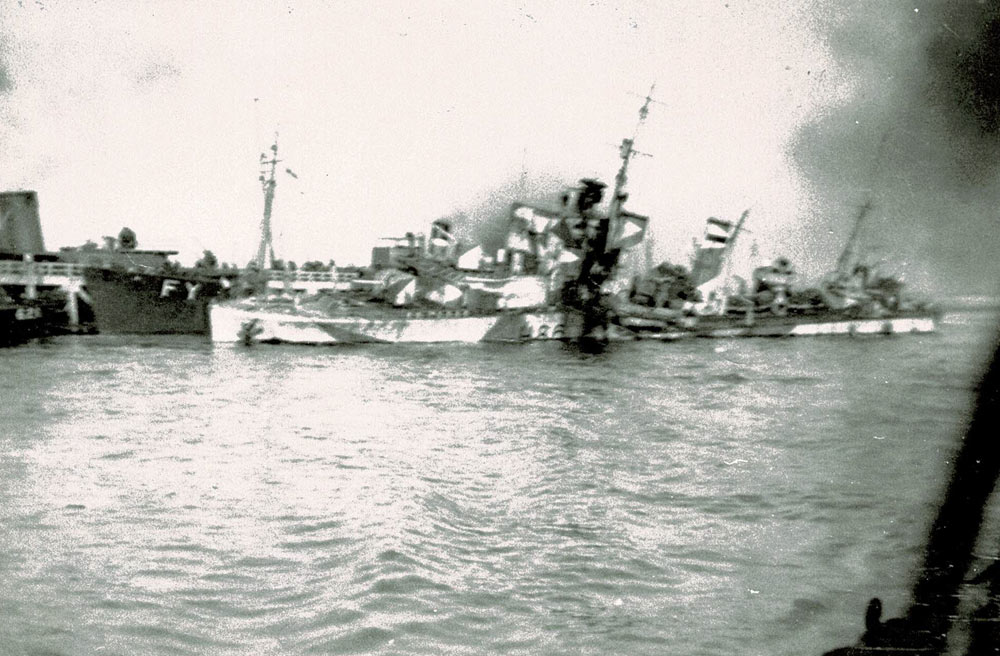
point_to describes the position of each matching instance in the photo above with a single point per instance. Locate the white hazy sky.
(152, 115)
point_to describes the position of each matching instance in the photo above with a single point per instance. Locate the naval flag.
(708, 260)
(536, 220)
(717, 233)
(632, 231)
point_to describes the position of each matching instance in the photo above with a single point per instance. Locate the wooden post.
(72, 288)
(30, 287)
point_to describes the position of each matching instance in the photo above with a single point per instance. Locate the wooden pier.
(32, 276)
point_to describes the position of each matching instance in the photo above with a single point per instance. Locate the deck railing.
(18, 268)
(13, 270)
(311, 276)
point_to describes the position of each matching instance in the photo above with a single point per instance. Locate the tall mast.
(265, 252)
(847, 255)
(731, 242)
(727, 251)
(626, 152)
(648, 250)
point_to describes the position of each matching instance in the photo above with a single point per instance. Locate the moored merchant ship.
(130, 290)
(135, 302)
(116, 288)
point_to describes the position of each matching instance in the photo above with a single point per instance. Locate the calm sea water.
(161, 496)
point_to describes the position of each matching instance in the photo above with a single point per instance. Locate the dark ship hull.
(144, 303)
(22, 322)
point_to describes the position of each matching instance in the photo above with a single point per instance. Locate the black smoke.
(918, 137)
(484, 220)
(964, 81)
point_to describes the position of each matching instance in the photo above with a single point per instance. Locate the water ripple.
(746, 496)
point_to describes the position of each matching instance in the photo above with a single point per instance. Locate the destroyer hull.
(231, 324)
(719, 327)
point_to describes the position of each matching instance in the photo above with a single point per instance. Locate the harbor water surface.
(164, 496)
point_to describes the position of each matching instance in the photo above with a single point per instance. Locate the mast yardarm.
(626, 152)
(265, 252)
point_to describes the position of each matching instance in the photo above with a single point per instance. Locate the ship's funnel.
(20, 227)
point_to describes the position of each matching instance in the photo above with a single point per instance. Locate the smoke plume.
(919, 137)
(485, 221)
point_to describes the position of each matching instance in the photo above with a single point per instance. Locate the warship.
(853, 299)
(545, 283)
